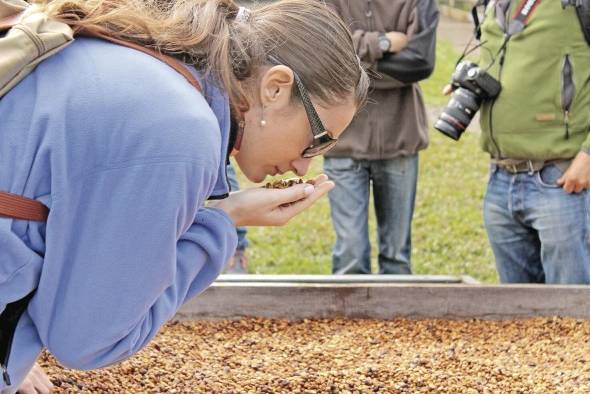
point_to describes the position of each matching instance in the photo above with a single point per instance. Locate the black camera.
(471, 86)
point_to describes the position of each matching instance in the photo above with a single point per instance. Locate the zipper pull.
(5, 375)
(566, 119)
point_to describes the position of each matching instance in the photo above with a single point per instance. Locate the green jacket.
(543, 110)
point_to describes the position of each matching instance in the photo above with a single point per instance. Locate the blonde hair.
(304, 34)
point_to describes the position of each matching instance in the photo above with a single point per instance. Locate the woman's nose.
(301, 166)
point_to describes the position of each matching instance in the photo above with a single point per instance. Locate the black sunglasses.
(322, 141)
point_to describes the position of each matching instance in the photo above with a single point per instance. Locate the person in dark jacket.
(395, 39)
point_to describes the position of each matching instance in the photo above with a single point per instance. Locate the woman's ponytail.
(304, 34)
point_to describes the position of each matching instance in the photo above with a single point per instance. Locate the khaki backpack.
(27, 37)
(32, 37)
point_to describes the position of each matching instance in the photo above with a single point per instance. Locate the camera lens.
(458, 114)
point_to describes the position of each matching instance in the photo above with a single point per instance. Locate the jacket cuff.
(221, 214)
(375, 52)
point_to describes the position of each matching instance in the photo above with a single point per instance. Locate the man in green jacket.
(537, 205)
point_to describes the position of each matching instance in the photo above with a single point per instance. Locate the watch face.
(384, 44)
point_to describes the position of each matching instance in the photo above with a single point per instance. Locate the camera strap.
(525, 9)
(475, 16)
(517, 24)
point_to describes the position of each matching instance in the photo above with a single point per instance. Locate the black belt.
(8, 321)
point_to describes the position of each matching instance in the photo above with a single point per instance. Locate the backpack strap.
(23, 208)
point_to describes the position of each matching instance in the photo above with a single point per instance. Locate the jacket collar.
(219, 103)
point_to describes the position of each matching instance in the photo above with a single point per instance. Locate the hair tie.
(243, 14)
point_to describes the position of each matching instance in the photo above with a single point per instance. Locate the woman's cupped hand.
(272, 207)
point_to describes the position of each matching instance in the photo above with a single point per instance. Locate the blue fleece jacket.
(124, 152)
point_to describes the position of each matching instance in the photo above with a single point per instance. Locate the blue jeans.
(538, 232)
(394, 191)
(235, 185)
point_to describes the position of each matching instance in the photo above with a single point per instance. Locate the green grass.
(448, 235)
(446, 57)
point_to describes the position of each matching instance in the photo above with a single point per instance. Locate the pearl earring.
(262, 121)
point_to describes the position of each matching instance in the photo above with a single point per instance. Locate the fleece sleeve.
(126, 247)
(366, 44)
(415, 62)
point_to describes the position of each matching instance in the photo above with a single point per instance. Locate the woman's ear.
(275, 87)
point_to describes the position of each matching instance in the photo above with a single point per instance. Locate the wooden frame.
(303, 297)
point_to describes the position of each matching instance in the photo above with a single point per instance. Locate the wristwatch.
(384, 42)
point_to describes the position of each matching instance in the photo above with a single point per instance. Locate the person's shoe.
(238, 264)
